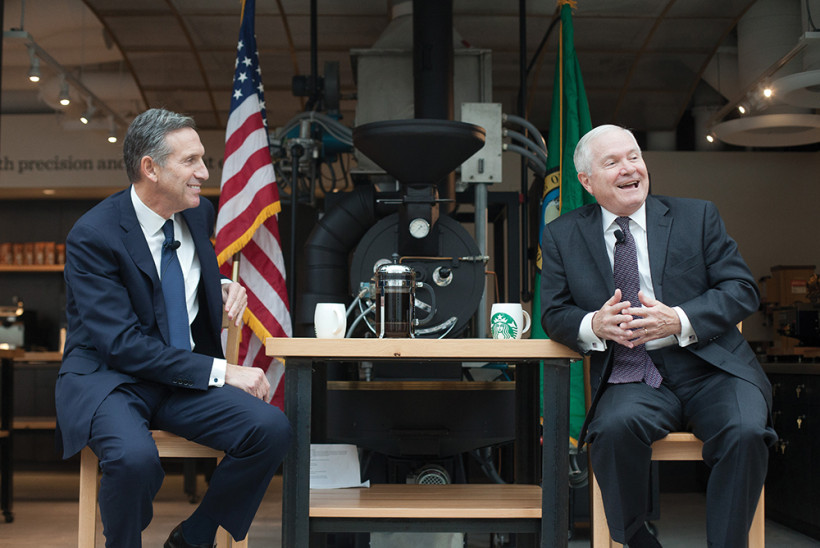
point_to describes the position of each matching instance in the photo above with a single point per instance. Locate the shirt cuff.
(588, 341)
(218, 372)
(687, 332)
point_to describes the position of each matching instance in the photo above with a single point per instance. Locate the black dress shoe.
(644, 538)
(176, 540)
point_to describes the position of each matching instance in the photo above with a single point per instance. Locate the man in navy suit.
(121, 376)
(701, 376)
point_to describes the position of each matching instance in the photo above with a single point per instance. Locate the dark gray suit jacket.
(694, 264)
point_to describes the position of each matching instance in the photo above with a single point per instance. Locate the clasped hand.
(631, 326)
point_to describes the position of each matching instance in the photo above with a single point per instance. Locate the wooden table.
(523, 508)
(6, 410)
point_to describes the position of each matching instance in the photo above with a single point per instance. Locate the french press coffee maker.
(395, 286)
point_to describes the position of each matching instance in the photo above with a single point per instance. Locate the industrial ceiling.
(647, 64)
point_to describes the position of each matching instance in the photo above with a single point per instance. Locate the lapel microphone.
(619, 237)
(176, 243)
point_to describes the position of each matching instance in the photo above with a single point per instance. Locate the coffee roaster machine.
(406, 208)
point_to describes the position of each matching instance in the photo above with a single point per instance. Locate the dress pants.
(254, 434)
(727, 413)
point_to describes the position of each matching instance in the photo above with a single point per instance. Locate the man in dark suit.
(133, 362)
(672, 357)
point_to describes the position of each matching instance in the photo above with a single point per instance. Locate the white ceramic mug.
(506, 320)
(330, 320)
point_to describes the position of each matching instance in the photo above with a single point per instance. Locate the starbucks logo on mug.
(506, 320)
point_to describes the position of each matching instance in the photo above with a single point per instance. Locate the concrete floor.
(45, 510)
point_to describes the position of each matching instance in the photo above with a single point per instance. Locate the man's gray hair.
(146, 137)
(583, 155)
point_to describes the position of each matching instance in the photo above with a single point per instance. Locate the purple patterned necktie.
(630, 364)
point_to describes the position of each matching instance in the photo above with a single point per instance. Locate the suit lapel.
(658, 229)
(134, 239)
(589, 224)
(209, 269)
(135, 244)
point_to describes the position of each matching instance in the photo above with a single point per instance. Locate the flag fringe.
(255, 325)
(237, 245)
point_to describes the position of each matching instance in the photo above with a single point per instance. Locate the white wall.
(36, 152)
(770, 202)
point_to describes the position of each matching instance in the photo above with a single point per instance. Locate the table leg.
(7, 380)
(527, 448)
(555, 455)
(296, 470)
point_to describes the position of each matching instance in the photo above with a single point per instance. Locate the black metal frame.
(299, 529)
(6, 443)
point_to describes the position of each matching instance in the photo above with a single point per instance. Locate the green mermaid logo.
(504, 326)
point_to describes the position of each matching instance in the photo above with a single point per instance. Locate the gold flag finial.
(573, 4)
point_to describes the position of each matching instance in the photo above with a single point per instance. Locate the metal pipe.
(522, 111)
(539, 139)
(481, 242)
(530, 145)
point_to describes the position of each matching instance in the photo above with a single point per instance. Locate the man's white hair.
(583, 155)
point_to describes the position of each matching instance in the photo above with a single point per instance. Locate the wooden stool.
(676, 446)
(168, 445)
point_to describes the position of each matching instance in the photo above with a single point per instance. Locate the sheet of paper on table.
(335, 466)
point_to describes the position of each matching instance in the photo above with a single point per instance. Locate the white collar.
(148, 219)
(639, 217)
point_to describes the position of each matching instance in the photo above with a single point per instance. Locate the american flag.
(248, 206)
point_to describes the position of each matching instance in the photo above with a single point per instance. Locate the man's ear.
(148, 168)
(583, 178)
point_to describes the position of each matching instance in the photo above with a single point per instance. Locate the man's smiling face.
(617, 177)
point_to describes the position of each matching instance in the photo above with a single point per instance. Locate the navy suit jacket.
(117, 324)
(694, 264)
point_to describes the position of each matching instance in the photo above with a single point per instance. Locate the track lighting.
(88, 114)
(64, 97)
(767, 92)
(34, 69)
(112, 132)
(37, 53)
(711, 136)
(743, 108)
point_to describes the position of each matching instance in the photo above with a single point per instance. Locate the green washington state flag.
(569, 120)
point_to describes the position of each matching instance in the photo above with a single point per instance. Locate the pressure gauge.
(419, 228)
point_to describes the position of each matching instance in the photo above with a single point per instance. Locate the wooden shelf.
(39, 357)
(420, 385)
(34, 423)
(402, 501)
(31, 268)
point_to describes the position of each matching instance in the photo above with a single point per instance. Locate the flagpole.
(296, 152)
(561, 116)
(235, 267)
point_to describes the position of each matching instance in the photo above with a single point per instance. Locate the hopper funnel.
(418, 151)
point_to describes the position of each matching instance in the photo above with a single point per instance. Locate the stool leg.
(223, 538)
(88, 499)
(757, 533)
(600, 529)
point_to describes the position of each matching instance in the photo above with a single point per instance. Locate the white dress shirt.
(151, 225)
(587, 339)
